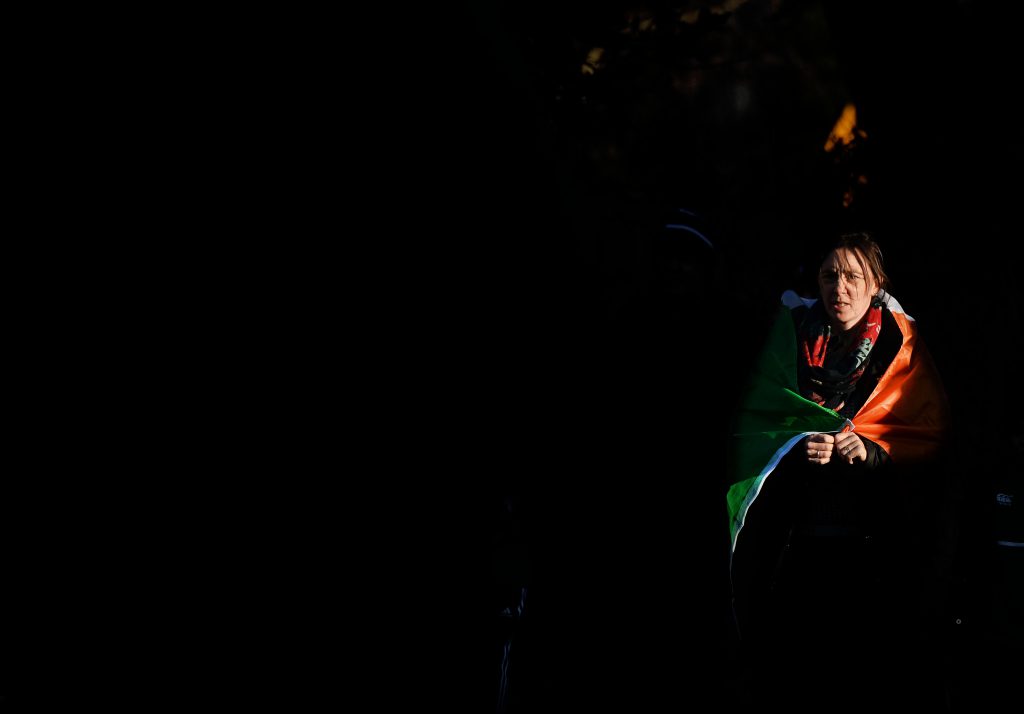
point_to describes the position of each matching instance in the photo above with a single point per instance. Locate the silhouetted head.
(684, 254)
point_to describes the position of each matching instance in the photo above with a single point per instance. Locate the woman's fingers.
(819, 451)
(850, 447)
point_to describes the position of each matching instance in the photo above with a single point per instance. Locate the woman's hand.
(819, 448)
(850, 448)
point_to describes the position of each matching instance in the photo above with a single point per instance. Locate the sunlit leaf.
(724, 8)
(690, 17)
(593, 61)
(843, 131)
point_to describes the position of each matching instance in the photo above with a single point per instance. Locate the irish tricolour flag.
(906, 414)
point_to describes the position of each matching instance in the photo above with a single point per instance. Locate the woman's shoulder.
(891, 307)
(891, 304)
(798, 308)
(792, 300)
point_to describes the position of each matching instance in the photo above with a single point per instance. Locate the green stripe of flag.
(772, 418)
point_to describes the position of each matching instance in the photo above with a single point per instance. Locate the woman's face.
(847, 286)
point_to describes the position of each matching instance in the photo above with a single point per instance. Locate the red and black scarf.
(829, 364)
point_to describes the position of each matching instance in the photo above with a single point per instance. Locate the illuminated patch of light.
(845, 129)
(726, 6)
(593, 61)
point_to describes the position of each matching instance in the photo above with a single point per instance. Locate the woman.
(844, 409)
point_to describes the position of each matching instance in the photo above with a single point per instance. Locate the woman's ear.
(873, 287)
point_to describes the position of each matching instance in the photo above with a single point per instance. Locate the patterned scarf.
(829, 365)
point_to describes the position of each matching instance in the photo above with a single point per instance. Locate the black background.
(595, 404)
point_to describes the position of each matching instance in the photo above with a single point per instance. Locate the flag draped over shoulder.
(906, 414)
